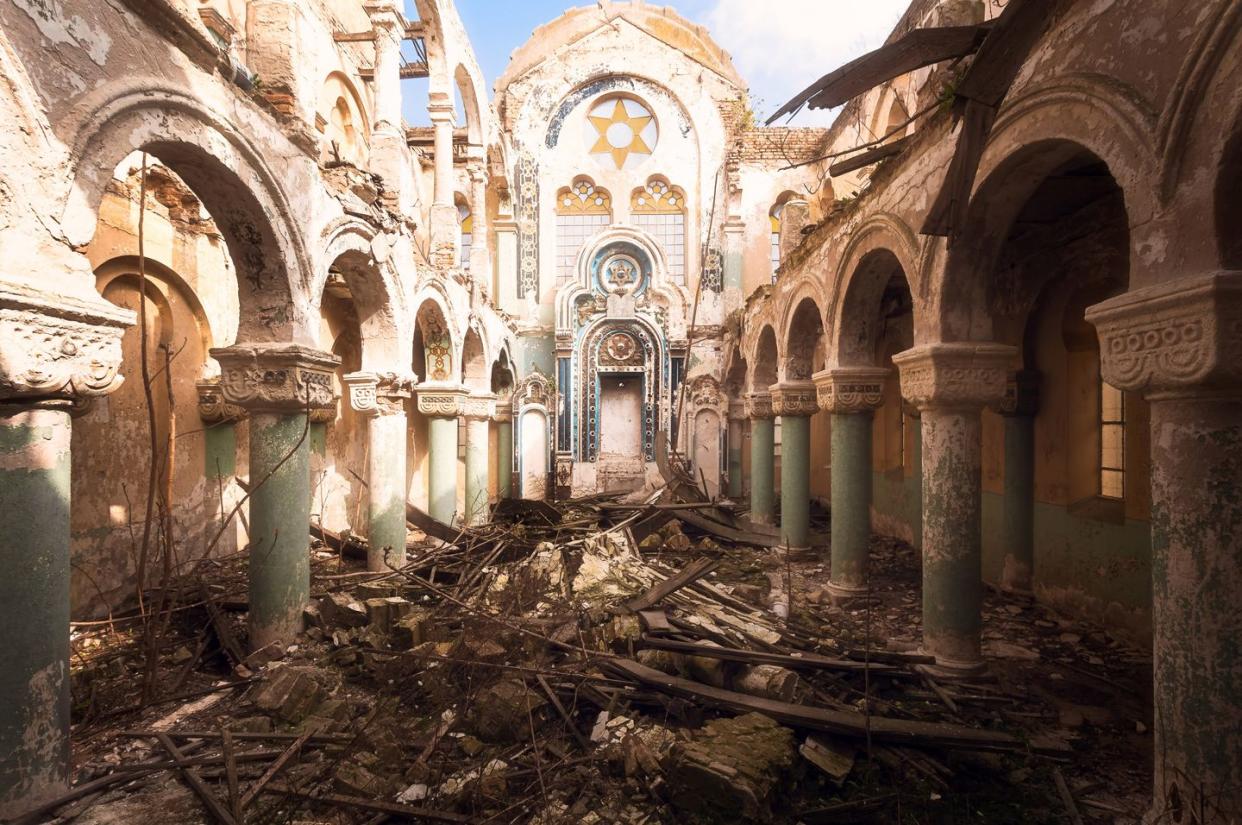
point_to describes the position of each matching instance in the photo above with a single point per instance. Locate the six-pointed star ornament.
(621, 134)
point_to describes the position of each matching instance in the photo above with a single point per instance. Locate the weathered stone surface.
(502, 713)
(731, 770)
(289, 693)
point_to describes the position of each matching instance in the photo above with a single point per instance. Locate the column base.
(846, 592)
(954, 670)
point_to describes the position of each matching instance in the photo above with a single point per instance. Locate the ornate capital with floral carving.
(58, 348)
(285, 378)
(794, 398)
(958, 375)
(759, 405)
(1175, 338)
(478, 406)
(1021, 394)
(851, 389)
(441, 402)
(212, 408)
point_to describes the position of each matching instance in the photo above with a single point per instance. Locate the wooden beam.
(869, 157)
(356, 37)
(415, 70)
(919, 48)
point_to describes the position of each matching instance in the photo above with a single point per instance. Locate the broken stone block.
(357, 780)
(289, 693)
(409, 631)
(341, 610)
(730, 770)
(383, 613)
(832, 756)
(502, 713)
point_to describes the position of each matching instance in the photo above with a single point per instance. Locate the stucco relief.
(851, 390)
(1172, 336)
(759, 405)
(58, 347)
(277, 377)
(212, 408)
(441, 403)
(955, 375)
(795, 398)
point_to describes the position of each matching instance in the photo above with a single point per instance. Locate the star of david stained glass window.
(621, 132)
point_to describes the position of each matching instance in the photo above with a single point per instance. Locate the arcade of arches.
(240, 296)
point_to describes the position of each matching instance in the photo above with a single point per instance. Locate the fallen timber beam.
(919, 48)
(373, 805)
(805, 661)
(432, 527)
(351, 547)
(692, 572)
(868, 158)
(841, 723)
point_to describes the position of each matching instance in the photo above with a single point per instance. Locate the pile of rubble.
(598, 662)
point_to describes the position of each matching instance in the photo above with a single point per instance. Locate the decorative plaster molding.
(851, 389)
(375, 394)
(212, 408)
(759, 405)
(441, 402)
(965, 375)
(58, 347)
(323, 415)
(794, 398)
(705, 392)
(277, 377)
(1174, 337)
(480, 406)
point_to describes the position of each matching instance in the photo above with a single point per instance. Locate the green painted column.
(951, 384)
(734, 437)
(1180, 343)
(795, 402)
(504, 456)
(34, 550)
(851, 502)
(478, 410)
(1018, 521)
(916, 474)
(852, 395)
(386, 469)
(762, 458)
(282, 386)
(795, 481)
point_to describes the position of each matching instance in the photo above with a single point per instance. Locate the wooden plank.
(374, 805)
(948, 213)
(869, 157)
(692, 572)
(275, 768)
(1067, 798)
(807, 661)
(436, 529)
(579, 737)
(213, 805)
(841, 723)
(1019, 28)
(230, 776)
(354, 37)
(919, 48)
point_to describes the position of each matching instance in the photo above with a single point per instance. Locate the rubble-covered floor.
(432, 695)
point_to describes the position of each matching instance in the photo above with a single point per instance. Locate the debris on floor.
(600, 662)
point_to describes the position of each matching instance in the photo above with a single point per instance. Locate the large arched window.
(660, 209)
(775, 239)
(465, 220)
(582, 211)
(1112, 441)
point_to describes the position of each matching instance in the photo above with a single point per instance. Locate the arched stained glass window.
(582, 210)
(660, 209)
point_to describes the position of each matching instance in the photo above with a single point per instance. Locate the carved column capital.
(1178, 338)
(1021, 394)
(212, 408)
(759, 405)
(737, 409)
(374, 394)
(441, 402)
(478, 406)
(794, 398)
(282, 378)
(958, 375)
(58, 348)
(851, 389)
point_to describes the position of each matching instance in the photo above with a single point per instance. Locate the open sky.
(779, 46)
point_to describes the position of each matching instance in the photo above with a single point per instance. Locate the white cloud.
(782, 46)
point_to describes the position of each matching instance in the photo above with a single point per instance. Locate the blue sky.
(779, 46)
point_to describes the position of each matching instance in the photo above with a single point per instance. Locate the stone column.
(441, 405)
(951, 384)
(852, 395)
(381, 398)
(389, 26)
(480, 250)
(477, 409)
(278, 385)
(795, 402)
(55, 353)
(444, 245)
(1019, 407)
(762, 457)
(737, 423)
(1180, 343)
(734, 250)
(504, 448)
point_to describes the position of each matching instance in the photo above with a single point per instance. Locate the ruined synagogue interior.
(589, 442)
